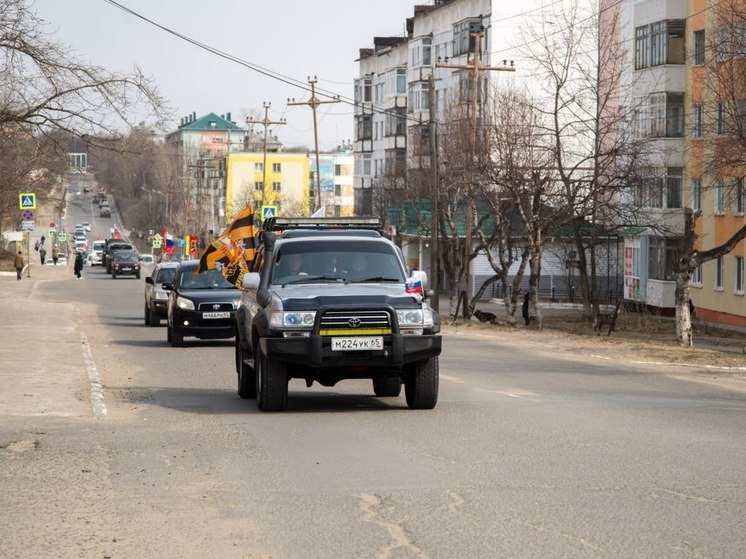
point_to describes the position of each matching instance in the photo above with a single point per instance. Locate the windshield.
(209, 279)
(166, 275)
(336, 261)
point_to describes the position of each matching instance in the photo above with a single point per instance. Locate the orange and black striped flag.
(243, 231)
(213, 256)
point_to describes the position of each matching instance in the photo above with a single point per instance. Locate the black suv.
(331, 301)
(199, 305)
(124, 262)
(111, 246)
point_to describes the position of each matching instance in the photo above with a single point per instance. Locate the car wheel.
(155, 320)
(113, 274)
(147, 315)
(246, 374)
(137, 275)
(271, 383)
(387, 387)
(175, 337)
(421, 384)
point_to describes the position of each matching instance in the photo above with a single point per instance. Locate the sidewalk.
(40, 347)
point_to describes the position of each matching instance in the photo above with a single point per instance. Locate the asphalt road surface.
(532, 451)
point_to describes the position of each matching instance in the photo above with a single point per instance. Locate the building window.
(718, 197)
(674, 183)
(738, 280)
(738, 196)
(721, 43)
(337, 170)
(421, 52)
(276, 167)
(697, 276)
(364, 127)
(258, 167)
(396, 122)
(257, 205)
(276, 186)
(720, 118)
(719, 273)
(696, 194)
(258, 185)
(463, 38)
(419, 97)
(366, 164)
(699, 47)
(663, 256)
(660, 43)
(697, 121)
(338, 190)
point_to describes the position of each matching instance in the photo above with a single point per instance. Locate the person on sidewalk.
(19, 263)
(55, 254)
(78, 265)
(524, 309)
(42, 254)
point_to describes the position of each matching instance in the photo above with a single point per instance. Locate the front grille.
(360, 319)
(210, 307)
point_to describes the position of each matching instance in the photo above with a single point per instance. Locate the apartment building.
(675, 82)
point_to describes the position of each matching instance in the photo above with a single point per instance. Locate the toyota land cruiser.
(329, 299)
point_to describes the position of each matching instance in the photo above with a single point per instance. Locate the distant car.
(97, 253)
(147, 259)
(200, 305)
(86, 226)
(156, 297)
(81, 245)
(112, 246)
(125, 262)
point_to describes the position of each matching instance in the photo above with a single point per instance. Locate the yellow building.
(283, 183)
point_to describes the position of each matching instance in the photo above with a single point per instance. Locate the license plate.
(216, 315)
(126, 269)
(358, 343)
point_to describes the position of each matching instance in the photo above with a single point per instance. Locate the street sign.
(157, 243)
(27, 201)
(27, 225)
(27, 215)
(62, 237)
(52, 225)
(269, 211)
(52, 232)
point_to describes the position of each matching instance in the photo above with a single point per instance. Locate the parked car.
(200, 305)
(125, 262)
(156, 296)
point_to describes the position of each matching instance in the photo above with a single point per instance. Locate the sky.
(297, 39)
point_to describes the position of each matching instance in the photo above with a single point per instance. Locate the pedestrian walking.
(36, 245)
(524, 309)
(19, 263)
(78, 268)
(42, 254)
(55, 254)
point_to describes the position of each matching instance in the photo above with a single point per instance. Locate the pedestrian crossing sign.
(269, 211)
(27, 201)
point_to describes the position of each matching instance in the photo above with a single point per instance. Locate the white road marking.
(97, 391)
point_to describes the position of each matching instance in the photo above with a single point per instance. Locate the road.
(530, 452)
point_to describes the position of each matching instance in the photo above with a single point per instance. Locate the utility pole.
(314, 102)
(477, 67)
(434, 199)
(265, 122)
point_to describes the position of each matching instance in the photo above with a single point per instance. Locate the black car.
(332, 300)
(200, 305)
(125, 262)
(111, 246)
(156, 297)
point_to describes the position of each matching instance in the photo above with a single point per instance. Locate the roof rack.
(286, 223)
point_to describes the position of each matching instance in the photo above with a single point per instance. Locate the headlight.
(292, 319)
(184, 303)
(160, 295)
(409, 318)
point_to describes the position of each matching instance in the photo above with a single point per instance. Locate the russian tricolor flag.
(170, 245)
(414, 287)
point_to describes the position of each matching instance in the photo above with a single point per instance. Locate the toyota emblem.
(354, 322)
(216, 306)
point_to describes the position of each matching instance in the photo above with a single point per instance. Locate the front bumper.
(191, 323)
(315, 351)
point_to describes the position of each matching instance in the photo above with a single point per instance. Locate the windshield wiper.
(377, 279)
(309, 279)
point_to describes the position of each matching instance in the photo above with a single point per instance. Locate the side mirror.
(251, 281)
(168, 286)
(149, 280)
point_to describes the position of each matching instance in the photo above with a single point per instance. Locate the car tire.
(113, 274)
(147, 315)
(137, 275)
(154, 319)
(246, 375)
(175, 337)
(387, 387)
(421, 384)
(271, 383)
